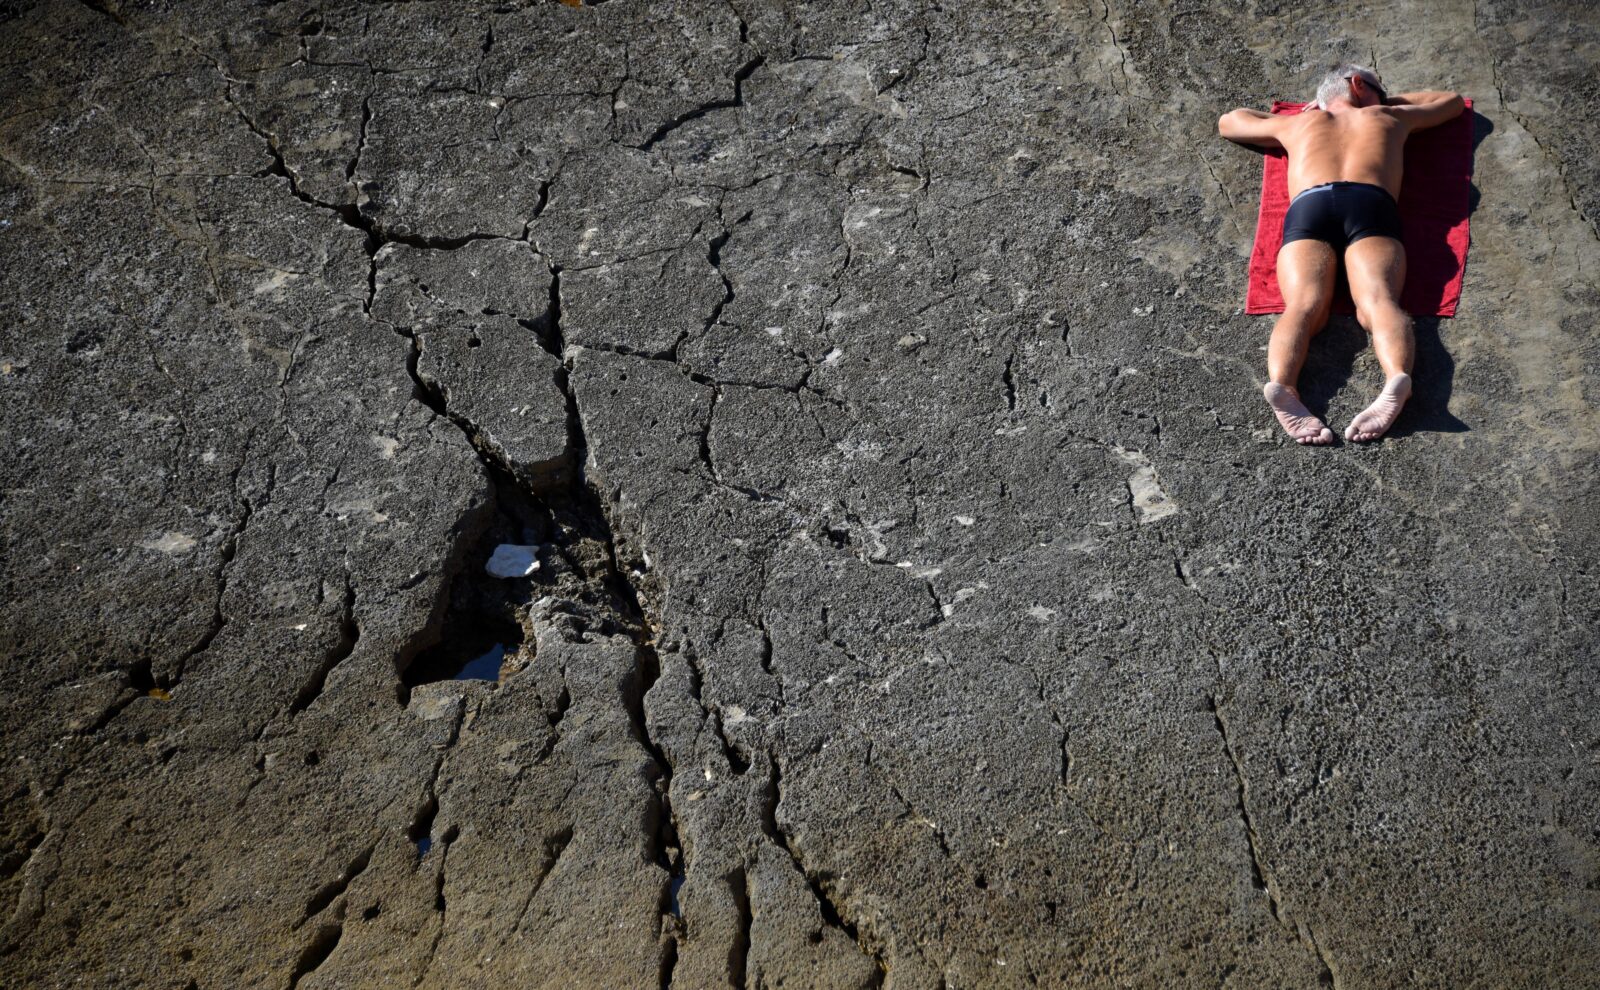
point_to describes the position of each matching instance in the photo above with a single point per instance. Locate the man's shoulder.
(1373, 117)
(1382, 114)
(1302, 121)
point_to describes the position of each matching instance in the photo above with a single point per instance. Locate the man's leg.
(1305, 274)
(1376, 268)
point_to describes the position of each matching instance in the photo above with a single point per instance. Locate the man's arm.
(1252, 127)
(1426, 109)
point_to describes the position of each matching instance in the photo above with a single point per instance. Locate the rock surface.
(926, 597)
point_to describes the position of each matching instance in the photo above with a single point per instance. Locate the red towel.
(1434, 202)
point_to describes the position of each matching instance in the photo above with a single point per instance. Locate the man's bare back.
(1346, 155)
(1364, 145)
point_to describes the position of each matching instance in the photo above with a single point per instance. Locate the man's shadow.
(1331, 362)
(1428, 410)
(1482, 127)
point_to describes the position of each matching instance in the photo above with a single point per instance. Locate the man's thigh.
(1376, 270)
(1306, 270)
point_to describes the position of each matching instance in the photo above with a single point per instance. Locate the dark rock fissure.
(437, 651)
(668, 845)
(553, 850)
(226, 554)
(1066, 755)
(547, 329)
(563, 702)
(769, 804)
(323, 942)
(714, 256)
(139, 679)
(331, 890)
(468, 531)
(570, 511)
(707, 459)
(737, 761)
(626, 607)
(910, 810)
(817, 881)
(669, 962)
(420, 831)
(739, 951)
(712, 717)
(439, 906)
(17, 857)
(700, 111)
(361, 139)
(541, 202)
(1260, 874)
(677, 865)
(349, 635)
(375, 237)
(439, 903)
(1328, 977)
(1010, 385)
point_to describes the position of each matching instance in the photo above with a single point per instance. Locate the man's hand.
(1255, 127)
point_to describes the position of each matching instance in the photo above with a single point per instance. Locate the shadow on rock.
(1482, 127)
(1330, 361)
(1432, 378)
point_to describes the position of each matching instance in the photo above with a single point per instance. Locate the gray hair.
(1336, 83)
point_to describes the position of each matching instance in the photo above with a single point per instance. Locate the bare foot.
(1372, 421)
(1296, 418)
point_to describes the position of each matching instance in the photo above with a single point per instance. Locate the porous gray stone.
(925, 596)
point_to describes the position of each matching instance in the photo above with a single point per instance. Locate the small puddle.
(485, 666)
(519, 554)
(671, 860)
(480, 635)
(672, 896)
(476, 654)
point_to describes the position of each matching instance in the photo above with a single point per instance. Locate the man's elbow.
(1225, 124)
(1445, 101)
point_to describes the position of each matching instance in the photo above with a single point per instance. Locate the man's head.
(1357, 84)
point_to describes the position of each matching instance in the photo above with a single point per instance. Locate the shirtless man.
(1345, 158)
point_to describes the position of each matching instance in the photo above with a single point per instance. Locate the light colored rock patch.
(1150, 500)
(170, 542)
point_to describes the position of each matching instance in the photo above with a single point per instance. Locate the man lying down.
(1345, 152)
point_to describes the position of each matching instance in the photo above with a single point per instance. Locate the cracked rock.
(910, 587)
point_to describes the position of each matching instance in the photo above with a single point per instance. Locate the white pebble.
(512, 561)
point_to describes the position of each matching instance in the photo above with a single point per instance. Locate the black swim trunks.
(1341, 213)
